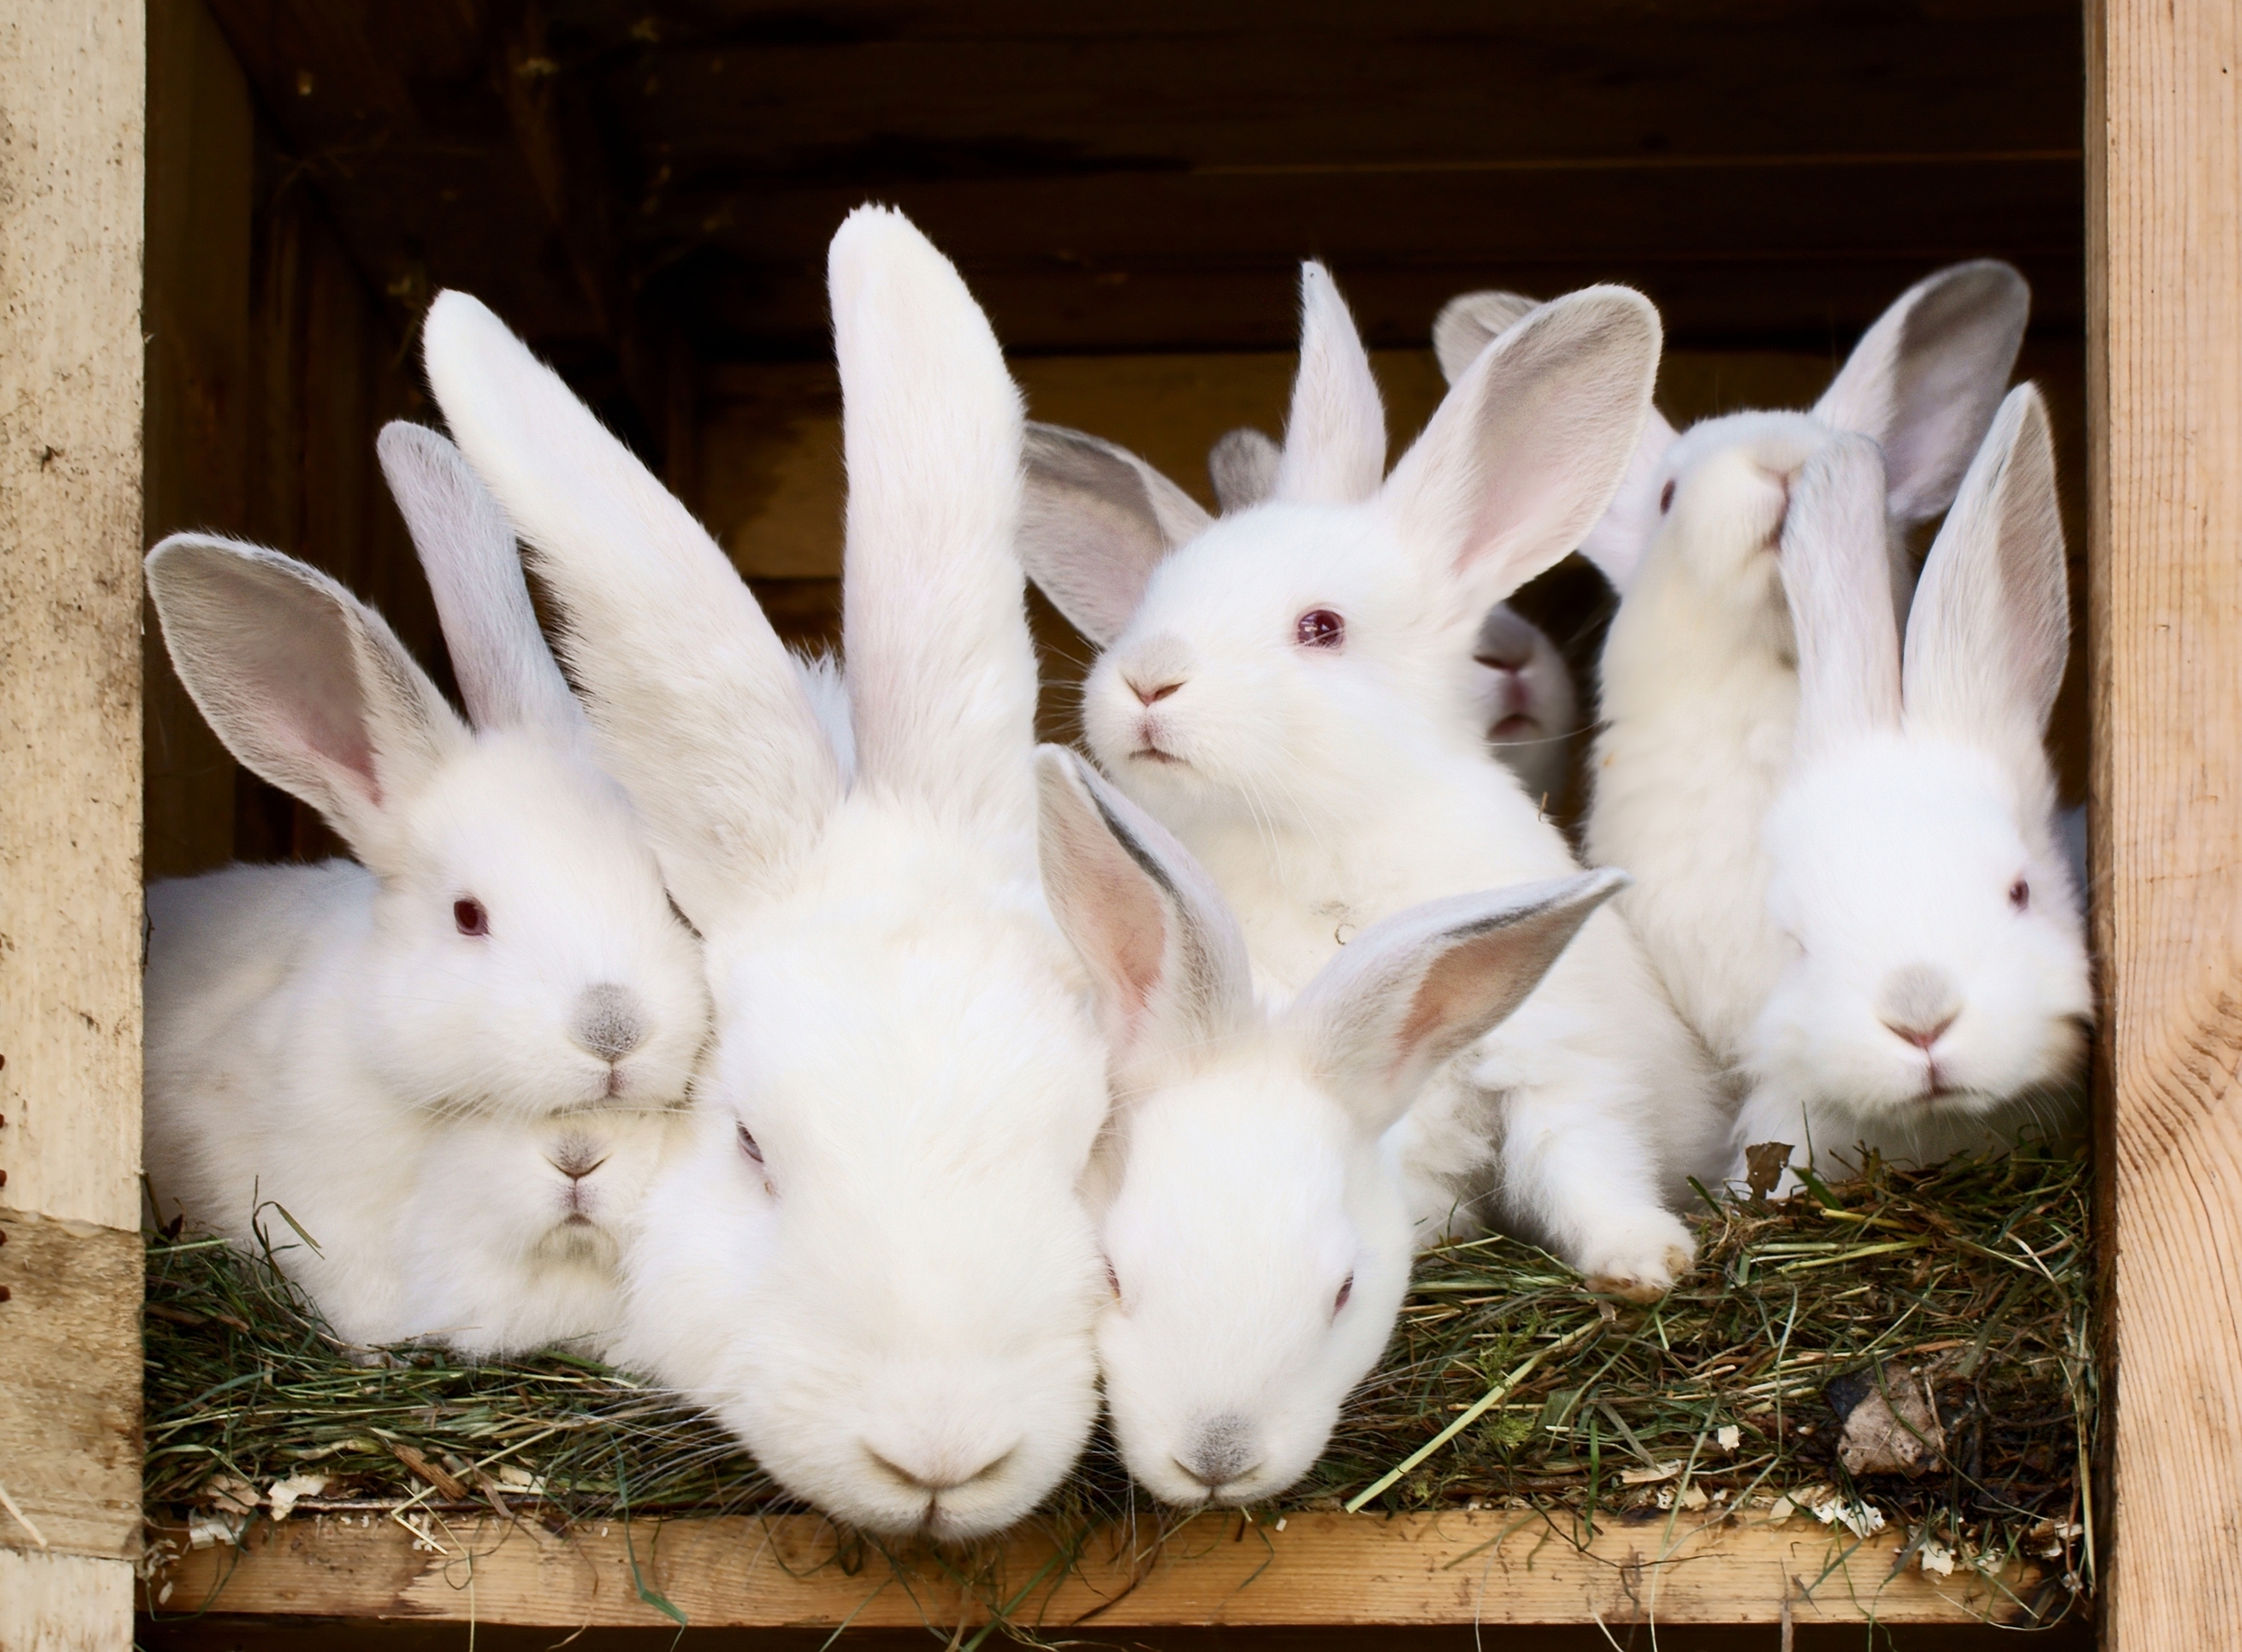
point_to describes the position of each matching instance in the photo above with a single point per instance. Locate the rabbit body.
(869, 1258)
(1289, 689)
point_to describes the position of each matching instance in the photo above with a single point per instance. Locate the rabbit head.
(514, 1234)
(870, 1260)
(1523, 697)
(522, 956)
(1939, 972)
(1253, 661)
(1257, 1245)
(1708, 504)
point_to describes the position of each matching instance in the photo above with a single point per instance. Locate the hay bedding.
(1909, 1349)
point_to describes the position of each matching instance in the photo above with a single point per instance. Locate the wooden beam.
(73, 76)
(1321, 1570)
(2165, 218)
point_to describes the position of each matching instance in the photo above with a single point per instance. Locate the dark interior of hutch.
(645, 192)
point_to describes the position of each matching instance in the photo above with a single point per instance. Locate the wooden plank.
(1321, 1570)
(70, 1386)
(71, 80)
(64, 1603)
(2165, 207)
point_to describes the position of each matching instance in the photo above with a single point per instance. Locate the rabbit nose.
(937, 1471)
(576, 1157)
(1506, 641)
(1148, 695)
(1221, 1452)
(1918, 1004)
(609, 1021)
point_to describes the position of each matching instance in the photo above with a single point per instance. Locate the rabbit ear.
(1836, 576)
(1412, 990)
(942, 674)
(1335, 451)
(1528, 446)
(1990, 629)
(1471, 321)
(1095, 522)
(307, 685)
(1160, 944)
(699, 710)
(506, 672)
(1243, 468)
(1925, 380)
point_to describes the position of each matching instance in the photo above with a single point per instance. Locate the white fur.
(1256, 1230)
(316, 1033)
(893, 1304)
(1327, 788)
(1698, 689)
(1936, 991)
(1523, 696)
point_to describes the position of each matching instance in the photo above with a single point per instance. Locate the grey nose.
(1918, 1004)
(609, 1021)
(1220, 1451)
(1505, 640)
(576, 1157)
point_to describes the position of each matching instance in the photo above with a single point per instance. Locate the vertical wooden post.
(72, 93)
(2165, 249)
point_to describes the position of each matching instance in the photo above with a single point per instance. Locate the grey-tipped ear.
(1529, 446)
(1990, 630)
(1925, 379)
(506, 672)
(1414, 990)
(1162, 947)
(1837, 577)
(1471, 321)
(1335, 451)
(1095, 522)
(1243, 468)
(307, 686)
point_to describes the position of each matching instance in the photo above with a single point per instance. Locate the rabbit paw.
(1640, 1258)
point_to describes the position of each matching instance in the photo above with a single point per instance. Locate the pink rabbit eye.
(469, 916)
(2020, 895)
(1345, 1290)
(1320, 629)
(747, 1146)
(1666, 497)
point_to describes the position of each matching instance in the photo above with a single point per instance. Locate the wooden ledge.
(1322, 1569)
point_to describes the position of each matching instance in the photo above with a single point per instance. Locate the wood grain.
(70, 1386)
(2165, 379)
(1322, 1569)
(53, 1602)
(71, 75)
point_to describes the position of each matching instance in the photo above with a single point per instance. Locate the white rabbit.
(505, 950)
(871, 1261)
(512, 1236)
(1287, 689)
(1936, 996)
(1524, 698)
(1698, 688)
(1255, 1232)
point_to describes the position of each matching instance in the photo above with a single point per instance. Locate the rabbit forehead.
(1276, 558)
(1897, 843)
(1773, 435)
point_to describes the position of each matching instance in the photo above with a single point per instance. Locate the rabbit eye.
(1112, 1279)
(1666, 497)
(1345, 1290)
(747, 1146)
(2020, 895)
(469, 918)
(1320, 629)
